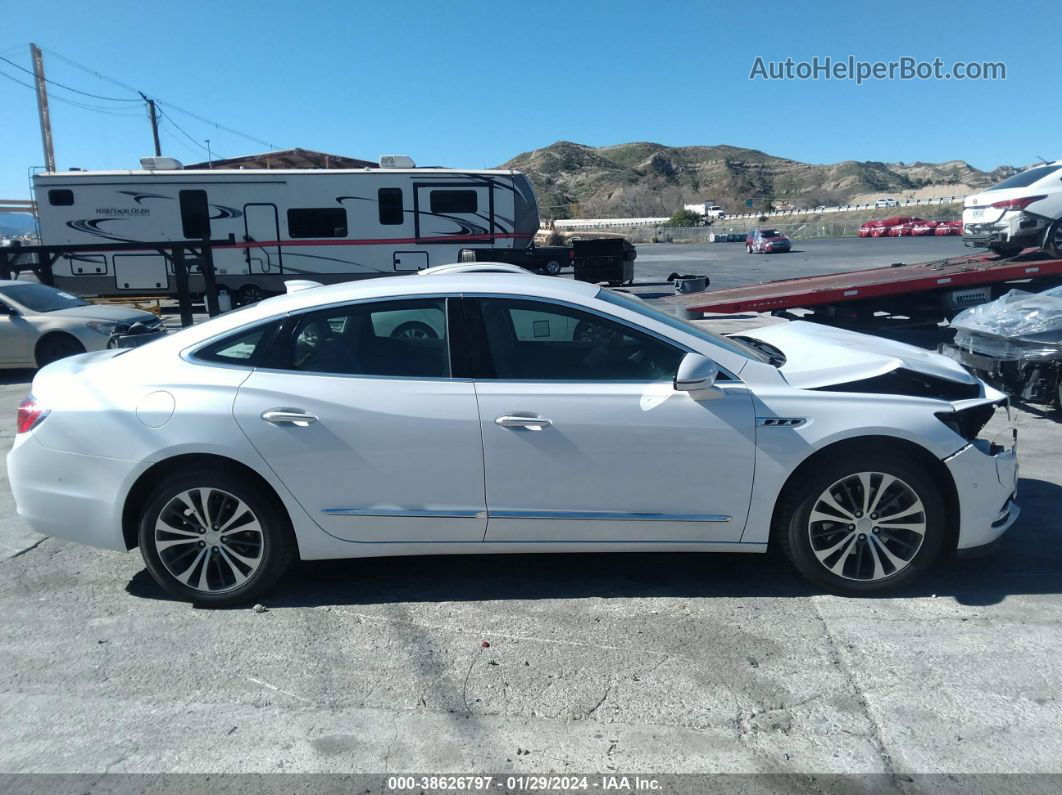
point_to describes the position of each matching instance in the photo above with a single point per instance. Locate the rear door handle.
(289, 417)
(516, 421)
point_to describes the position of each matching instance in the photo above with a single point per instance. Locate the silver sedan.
(40, 324)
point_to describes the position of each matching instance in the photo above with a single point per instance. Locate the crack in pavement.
(835, 652)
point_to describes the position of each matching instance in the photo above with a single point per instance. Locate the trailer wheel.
(1053, 239)
(553, 267)
(249, 294)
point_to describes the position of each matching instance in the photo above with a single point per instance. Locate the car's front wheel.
(215, 538)
(553, 267)
(863, 524)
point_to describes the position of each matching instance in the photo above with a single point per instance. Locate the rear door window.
(405, 338)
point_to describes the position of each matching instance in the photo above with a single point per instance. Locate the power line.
(96, 108)
(199, 118)
(181, 130)
(68, 88)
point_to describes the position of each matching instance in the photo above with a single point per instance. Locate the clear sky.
(469, 84)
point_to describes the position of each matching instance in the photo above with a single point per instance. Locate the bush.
(685, 218)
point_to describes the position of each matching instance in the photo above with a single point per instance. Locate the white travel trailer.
(329, 225)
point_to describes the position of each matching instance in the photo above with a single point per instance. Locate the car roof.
(467, 282)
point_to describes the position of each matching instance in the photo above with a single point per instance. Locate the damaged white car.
(1022, 211)
(541, 415)
(1015, 342)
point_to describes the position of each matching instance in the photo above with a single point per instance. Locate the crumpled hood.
(818, 355)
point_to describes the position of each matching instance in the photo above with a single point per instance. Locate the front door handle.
(288, 416)
(516, 421)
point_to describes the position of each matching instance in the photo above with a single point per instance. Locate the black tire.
(415, 330)
(748, 249)
(250, 294)
(794, 529)
(57, 346)
(553, 267)
(272, 547)
(1053, 239)
(1006, 251)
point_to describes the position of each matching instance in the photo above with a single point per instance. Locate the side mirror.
(695, 372)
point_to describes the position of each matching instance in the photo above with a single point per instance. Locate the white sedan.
(1022, 211)
(39, 324)
(540, 415)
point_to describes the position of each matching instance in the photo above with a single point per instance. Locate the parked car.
(945, 228)
(886, 203)
(766, 241)
(39, 324)
(1022, 211)
(550, 416)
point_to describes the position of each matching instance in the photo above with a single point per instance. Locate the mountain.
(15, 224)
(649, 179)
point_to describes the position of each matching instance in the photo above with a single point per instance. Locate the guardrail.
(611, 223)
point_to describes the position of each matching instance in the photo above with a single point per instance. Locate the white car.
(886, 203)
(39, 324)
(546, 416)
(1022, 211)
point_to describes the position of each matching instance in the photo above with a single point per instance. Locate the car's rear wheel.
(215, 538)
(57, 346)
(866, 523)
(553, 267)
(1053, 239)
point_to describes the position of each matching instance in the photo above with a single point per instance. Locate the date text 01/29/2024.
(524, 783)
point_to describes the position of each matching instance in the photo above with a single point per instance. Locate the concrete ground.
(728, 265)
(648, 662)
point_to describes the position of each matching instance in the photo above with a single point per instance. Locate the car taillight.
(1017, 204)
(30, 415)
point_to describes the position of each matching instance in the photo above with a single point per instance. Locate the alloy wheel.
(209, 540)
(867, 526)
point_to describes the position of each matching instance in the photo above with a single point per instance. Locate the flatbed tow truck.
(922, 292)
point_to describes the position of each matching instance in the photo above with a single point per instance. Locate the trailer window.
(454, 201)
(60, 197)
(195, 214)
(322, 222)
(390, 206)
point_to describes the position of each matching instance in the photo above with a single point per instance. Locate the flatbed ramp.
(873, 284)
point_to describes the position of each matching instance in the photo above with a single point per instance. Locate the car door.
(18, 337)
(586, 439)
(355, 409)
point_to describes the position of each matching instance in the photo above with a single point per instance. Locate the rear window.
(244, 347)
(1026, 178)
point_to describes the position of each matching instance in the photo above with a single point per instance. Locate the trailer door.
(454, 213)
(262, 233)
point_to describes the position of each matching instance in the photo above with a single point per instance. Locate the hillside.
(14, 224)
(648, 179)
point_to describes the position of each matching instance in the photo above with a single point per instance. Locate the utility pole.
(210, 157)
(154, 118)
(42, 107)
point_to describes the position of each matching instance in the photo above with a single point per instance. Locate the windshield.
(770, 233)
(642, 308)
(40, 297)
(1026, 178)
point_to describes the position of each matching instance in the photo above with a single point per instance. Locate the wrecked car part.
(1015, 341)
